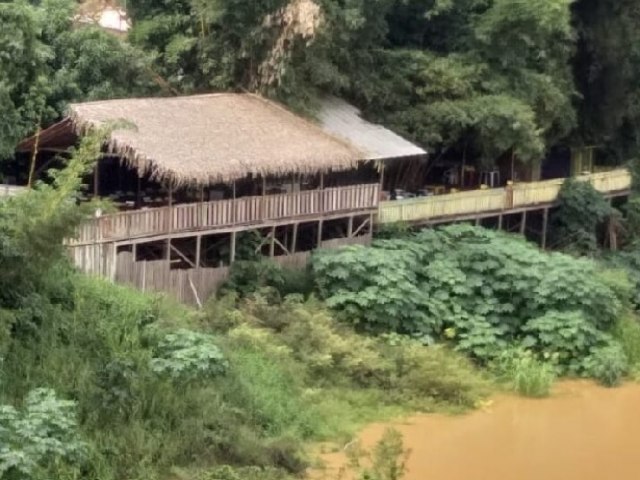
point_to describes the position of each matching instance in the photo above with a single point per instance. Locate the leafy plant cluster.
(481, 290)
(582, 212)
(44, 433)
(185, 354)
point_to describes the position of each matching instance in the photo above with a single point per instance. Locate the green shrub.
(39, 438)
(607, 364)
(581, 210)
(185, 354)
(565, 337)
(627, 334)
(386, 461)
(227, 472)
(524, 372)
(430, 373)
(479, 289)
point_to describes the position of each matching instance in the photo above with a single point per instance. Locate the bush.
(567, 338)
(627, 334)
(524, 372)
(607, 364)
(42, 436)
(188, 355)
(479, 289)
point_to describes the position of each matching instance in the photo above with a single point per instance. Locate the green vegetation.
(524, 372)
(484, 79)
(100, 382)
(387, 460)
(482, 291)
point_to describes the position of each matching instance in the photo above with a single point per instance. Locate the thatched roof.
(212, 138)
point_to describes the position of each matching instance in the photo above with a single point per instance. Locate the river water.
(581, 432)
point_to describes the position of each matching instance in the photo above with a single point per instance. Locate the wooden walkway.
(234, 213)
(496, 201)
(10, 190)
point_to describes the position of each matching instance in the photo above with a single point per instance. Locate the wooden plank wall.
(182, 285)
(96, 259)
(156, 276)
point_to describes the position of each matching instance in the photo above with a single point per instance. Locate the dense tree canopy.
(45, 63)
(490, 77)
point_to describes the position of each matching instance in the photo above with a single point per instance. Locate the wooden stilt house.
(202, 181)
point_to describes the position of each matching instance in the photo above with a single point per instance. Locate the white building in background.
(108, 14)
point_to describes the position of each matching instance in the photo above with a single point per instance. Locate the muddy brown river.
(582, 432)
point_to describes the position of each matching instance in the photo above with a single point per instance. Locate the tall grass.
(294, 375)
(524, 373)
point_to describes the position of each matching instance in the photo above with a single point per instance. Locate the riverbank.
(581, 432)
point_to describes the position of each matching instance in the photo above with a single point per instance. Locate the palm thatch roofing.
(206, 139)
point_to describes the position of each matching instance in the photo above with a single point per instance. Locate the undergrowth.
(233, 391)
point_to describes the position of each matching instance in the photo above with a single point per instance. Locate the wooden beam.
(182, 255)
(294, 239)
(545, 223)
(96, 179)
(281, 245)
(232, 255)
(272, 245)
(350, 227)
(523, 223)
(362, 225)
(320, 222)
(500, 222)
(198, 251)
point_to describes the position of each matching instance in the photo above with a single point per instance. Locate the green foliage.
(564, 338)
(478, 289)
(524, 372)
(243, 473)
(41, 435)
(188, 355)
(581, 211)
(46, 63)
(386, 461)
(627, 334)
(607, 364)
(248, 277)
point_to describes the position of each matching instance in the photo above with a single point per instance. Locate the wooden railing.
(10, 190)
(226, 213)
(521, 195)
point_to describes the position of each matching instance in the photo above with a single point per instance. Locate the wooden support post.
(134, 249)
(198, 250)
(477, 222)
(294, 239)
(272, 245)
(232, 256)
(138, 191)
(170, 223)
(320, 233)
(350, 228)
(382, 177)
(545, 223)
(500, 222)
(523, 223)
(96, 179)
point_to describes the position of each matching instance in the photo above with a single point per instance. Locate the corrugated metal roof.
(341, 119)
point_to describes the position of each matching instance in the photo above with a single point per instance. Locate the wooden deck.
(246, 211)
(10, 190)
(480, 202)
